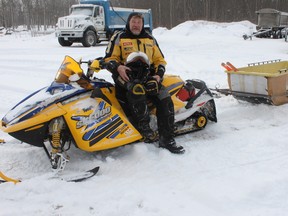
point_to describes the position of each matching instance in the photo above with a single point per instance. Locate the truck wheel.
(89, 39)
(64, 43)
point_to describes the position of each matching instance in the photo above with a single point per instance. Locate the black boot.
(140, 115)
(165, 121)
(170, 144)
(148, 134)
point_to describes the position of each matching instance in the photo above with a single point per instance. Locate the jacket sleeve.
(113, 53)
(158, 60)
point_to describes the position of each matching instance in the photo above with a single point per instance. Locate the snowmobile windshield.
(69, 70)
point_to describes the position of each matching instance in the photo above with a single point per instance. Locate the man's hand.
(157, 78)
(122, 70)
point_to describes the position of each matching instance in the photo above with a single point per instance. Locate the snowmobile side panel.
(34, 136)
(98, 124)
(46, 115)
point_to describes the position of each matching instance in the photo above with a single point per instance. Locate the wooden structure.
(261, 82)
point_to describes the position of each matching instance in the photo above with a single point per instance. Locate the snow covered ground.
(235, 167)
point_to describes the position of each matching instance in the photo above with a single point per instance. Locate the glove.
(95, 65)
(112, 67)
(136, 88)
(160, 70)
(152, 86)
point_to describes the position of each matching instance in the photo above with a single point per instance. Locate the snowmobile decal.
(103, 132)
(100, 114)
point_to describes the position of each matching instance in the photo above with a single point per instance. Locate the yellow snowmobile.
(82, 110)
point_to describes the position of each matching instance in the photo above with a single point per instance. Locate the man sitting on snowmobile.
(133, 89)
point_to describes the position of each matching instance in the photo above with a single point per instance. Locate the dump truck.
(93, 21)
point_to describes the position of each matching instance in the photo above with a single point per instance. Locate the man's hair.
(135, 14)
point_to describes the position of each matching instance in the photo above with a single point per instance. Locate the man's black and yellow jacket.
(124, 42)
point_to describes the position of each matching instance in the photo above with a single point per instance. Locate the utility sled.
(260, 82)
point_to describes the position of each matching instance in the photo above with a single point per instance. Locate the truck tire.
(89, 39)
(64, 43)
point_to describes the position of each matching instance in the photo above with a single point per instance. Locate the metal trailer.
(271, 24)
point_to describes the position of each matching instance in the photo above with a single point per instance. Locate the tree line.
(166, 13)
(45, 13)
(169, 13)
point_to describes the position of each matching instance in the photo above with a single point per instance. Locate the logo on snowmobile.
(87, 109)
(101, 113)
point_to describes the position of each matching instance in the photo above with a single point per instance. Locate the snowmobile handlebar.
(94, 66)
(201, 86)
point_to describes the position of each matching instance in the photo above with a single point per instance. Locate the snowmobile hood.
(40, 100)
(46, 97)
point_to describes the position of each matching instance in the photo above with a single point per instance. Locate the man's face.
(136, 24)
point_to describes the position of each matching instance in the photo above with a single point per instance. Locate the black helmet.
(139, 64)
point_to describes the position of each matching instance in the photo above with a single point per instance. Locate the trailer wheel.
(89, 39)
(201, 121)
(275, 35)
(64, 43)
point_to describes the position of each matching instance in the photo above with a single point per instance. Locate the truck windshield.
(88, 11)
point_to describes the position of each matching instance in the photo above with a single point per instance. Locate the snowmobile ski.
(8, 179)
(79, 177)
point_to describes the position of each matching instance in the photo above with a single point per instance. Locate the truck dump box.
(262, 82)
(116, 17)
(269, 17)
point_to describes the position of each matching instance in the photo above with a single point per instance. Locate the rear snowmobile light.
(185, 93)
(201, 104)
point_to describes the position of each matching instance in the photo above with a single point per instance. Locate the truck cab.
(93, 21)
(81, 25)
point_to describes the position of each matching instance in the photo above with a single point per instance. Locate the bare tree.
(168, 13)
